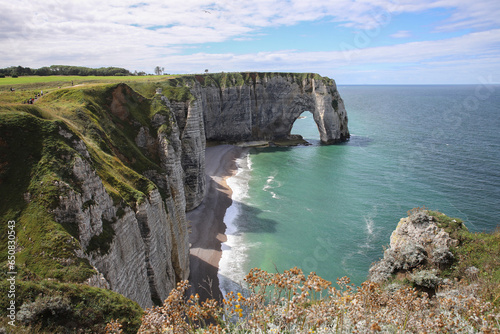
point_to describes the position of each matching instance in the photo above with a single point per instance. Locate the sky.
(351, 41)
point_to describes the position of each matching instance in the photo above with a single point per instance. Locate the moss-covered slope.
(38, 147)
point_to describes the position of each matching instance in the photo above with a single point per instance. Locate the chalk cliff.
(264, 106)
(145, 251)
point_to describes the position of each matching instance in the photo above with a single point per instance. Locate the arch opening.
(305, 128)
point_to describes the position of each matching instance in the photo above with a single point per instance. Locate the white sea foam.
(363, 248)
(271, 184)
(371, 233)
(369, 223)
(234, 250)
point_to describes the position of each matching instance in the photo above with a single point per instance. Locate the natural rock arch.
(266, 108)
(299, 122)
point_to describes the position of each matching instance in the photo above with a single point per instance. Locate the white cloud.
(401, 34)
(219, 20)
(442, 61)
(140, 34)
(478, 14)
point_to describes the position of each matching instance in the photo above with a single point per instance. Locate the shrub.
(426, 278)
(44, 308)
(442, 256)
(411, 256)
(51, 307)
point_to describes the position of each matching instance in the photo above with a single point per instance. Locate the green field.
(27, 86)
(66, 80)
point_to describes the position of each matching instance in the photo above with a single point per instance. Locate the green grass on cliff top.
(480, 250)
(66, 80)
(61, 80)
(27, 86)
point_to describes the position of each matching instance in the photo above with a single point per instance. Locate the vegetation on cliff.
(39, 145)
(476, 257)
(236, 79)
(48, 306)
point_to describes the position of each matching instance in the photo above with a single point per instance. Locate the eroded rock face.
(419, 228)
(190, 145)
(267, 109)
(148, 251)
(417, 240)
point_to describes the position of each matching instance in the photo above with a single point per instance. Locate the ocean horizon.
(331, 209)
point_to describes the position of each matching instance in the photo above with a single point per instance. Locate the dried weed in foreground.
(293, 303)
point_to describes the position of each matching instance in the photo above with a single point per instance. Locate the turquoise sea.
(331, 209)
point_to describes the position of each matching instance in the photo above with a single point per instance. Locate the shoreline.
(206, 222)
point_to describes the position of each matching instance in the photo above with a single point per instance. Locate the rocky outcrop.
(416, 241)
(265, 106)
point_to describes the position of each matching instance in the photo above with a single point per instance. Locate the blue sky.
(354, 42)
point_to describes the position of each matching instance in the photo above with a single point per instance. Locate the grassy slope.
(34, 157)
(480, 250)
(62, 80)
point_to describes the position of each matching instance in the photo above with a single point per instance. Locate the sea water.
(331, 209)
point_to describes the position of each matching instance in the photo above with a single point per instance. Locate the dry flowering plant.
(291, 302)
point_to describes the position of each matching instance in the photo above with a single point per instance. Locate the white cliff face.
(171, 152)
(149, 249)
(193, 155)
(190, 147)
(87, 209)
(267, 108)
